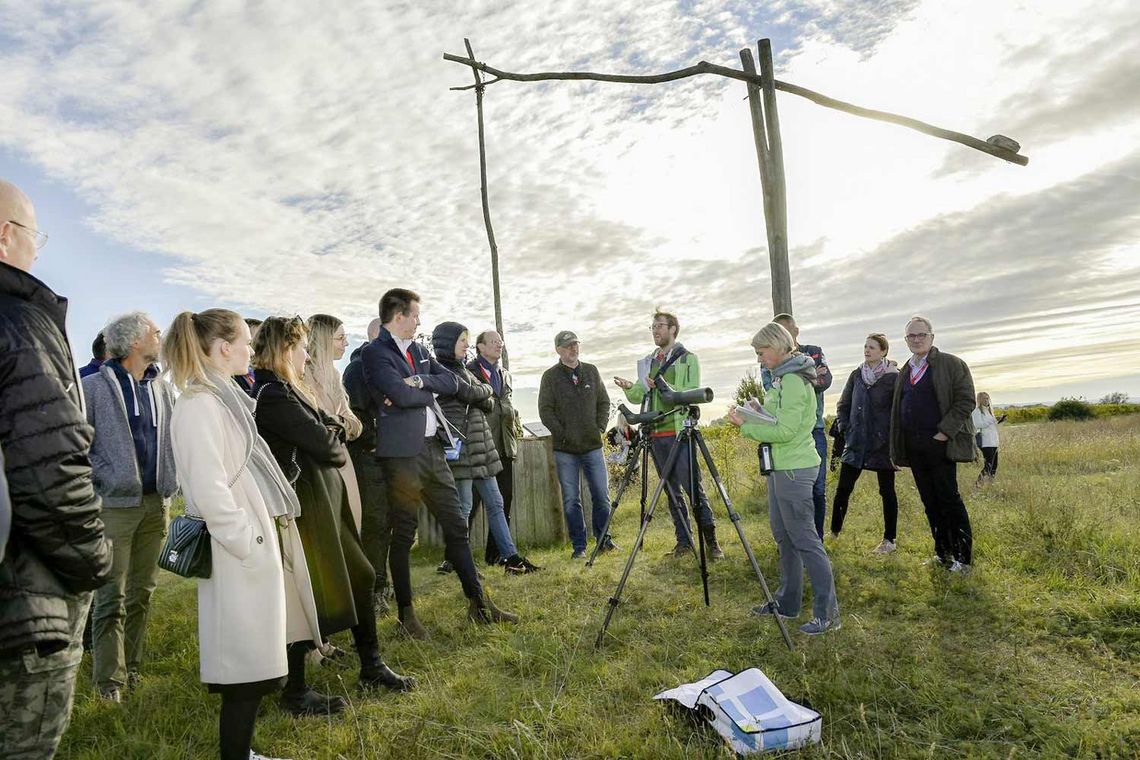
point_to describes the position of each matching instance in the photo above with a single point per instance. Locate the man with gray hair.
(133, 466)
(56, 553)
(931, 431)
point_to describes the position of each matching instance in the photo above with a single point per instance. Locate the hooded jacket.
(114, 460)
(466, 410)
(864, 414)
(791, 400)
(56, 548)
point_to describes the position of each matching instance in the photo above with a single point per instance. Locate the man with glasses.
(681, 371)
(931, 431)
(56, 552)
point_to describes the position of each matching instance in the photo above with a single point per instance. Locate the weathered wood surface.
(704, 67)
(536, 511)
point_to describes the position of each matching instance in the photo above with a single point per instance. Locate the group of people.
(310, 482)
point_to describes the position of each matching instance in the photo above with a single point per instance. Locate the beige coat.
(339, 408)
(259, 596)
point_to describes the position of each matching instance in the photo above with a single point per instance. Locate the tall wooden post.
(487, 205)
(770, 156)
(781, 276)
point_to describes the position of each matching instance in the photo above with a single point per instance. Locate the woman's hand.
(622, 383)
(734, 416)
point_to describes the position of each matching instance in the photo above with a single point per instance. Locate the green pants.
(118, 623)
(36, 692)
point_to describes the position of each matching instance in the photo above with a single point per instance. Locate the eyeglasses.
(40, 238)
(918, 336)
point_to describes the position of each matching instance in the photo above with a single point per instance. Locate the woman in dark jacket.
(478, 462)
(309, 446)
(864, 416)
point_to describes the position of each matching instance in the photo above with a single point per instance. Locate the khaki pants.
(36, 693)
(118, 624)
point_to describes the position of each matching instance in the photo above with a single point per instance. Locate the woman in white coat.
(258, 597)
(986, 424)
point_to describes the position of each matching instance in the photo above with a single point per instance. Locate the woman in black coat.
(478, 462)
(309, 446)
(864, 416)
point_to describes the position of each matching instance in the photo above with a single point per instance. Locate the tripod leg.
(616, 598)
(691, 486)
(623, 484)
(734, 516)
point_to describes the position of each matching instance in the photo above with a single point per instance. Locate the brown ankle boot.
(483, 610)
(712, 546)
(409, 624)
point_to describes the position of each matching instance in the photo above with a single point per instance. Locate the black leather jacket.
(56, 548)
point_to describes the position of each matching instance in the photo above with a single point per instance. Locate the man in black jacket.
(56, 553)
(574, 407)
(411, 434)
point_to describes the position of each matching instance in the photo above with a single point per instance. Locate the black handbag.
(187, 548)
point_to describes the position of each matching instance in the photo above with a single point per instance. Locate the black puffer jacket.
(466, 410)
(56, 548)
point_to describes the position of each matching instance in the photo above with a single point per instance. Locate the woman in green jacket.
(795, 464)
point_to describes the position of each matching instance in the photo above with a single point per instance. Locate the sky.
(302, 157)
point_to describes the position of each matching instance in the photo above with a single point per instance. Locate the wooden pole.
(763, 158)
(487, 205)
(778, 253)
(704, 67)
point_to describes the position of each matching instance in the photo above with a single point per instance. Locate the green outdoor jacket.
(682, 375)
(792, 401)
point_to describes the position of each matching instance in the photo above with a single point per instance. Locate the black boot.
(374, 674)
(297, 698)
(712, 547)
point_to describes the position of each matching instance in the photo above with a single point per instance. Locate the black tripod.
(638, 460)
(691, 434)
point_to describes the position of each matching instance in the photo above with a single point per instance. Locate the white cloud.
(306, 156)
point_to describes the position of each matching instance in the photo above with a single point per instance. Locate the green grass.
(1035, 655)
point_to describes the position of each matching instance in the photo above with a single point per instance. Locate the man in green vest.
(681, 371)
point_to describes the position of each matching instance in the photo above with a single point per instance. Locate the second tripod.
(688, 434)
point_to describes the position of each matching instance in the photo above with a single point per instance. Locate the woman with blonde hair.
(258, 598)
(986, 425)
(326, 345)
(309, 445)
(794, 466)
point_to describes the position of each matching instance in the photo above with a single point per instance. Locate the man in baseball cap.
(574, 407)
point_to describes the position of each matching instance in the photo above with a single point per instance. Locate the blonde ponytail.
(186, 347)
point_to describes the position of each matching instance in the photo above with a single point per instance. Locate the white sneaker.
(961, 569)
(254, 756)
(884, 547)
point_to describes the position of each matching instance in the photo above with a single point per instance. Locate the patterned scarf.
(872, 373)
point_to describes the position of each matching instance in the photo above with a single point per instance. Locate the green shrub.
(1071, 409)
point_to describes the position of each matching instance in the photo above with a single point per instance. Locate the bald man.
(57, 553)
(375, 530)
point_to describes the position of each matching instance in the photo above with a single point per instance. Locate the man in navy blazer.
(411, 433)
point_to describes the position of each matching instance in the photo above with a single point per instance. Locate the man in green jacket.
(681, 371)
(574, 407)
(931, 431)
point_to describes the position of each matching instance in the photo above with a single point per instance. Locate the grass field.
(1037, 654)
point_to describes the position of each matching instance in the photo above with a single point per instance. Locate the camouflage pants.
(36, 693)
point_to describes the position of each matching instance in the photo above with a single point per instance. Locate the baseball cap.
(565, 338)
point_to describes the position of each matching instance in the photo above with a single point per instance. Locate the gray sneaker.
(816, 626)
(886, 546)
(960, 569)
(770, 608)
(578, 554)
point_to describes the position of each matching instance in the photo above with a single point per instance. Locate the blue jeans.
(593, 465)
(819, 487)
(493, 502)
